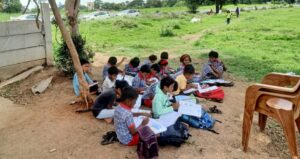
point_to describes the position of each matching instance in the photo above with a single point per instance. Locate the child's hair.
(84, 61)
(163, 62)
(189, 69)
(113, 70)
(121, 84)
(112, 60)
(128, 93)
(185, 56)
(167, 81)
(164, 55)
(145, 69)
(213, 54)
(175, 86)
(135, 62)
(152, 57)
(155, 67)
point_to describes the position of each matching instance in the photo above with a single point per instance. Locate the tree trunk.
(72, 10)
(217, 6)
(84, 88)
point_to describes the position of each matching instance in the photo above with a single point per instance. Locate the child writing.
(110, 80)
(214, 68)
(112, 61)
(165, 56)
(182, 80)
(86, 68)
(106, 100)
(161, 104)
(132, 68)
(123, 118)
(140, 81)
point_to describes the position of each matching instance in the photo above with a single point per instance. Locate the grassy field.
(253, 45)
(256, 43)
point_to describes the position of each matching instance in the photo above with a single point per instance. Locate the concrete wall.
(23, 45)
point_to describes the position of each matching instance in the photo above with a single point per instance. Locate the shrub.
(125, 24)
(166, 31)
(63, 59)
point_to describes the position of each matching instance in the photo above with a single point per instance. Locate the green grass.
(6, 16)
(253, 45)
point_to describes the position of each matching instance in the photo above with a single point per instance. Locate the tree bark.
(72, 10)
(84, 87)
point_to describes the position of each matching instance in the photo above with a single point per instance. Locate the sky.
(83, 2)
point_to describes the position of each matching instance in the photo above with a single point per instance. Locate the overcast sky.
(24, 2)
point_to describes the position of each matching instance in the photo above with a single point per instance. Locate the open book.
(127, 78)
(189, 108)
(200, 89)
(154, 125)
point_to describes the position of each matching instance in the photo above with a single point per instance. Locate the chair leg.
(287, 121)
(298, 124)
(247, 123)
(262, 120)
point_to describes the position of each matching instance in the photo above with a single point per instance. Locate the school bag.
(206, 121)
(175, 135)
(147, 147)
(216, 95)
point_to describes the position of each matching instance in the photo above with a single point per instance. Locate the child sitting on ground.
(165, 56)
(155, 72)
(110, 80)
(185, 60)
(163, 64)
(182, 80)
(106, 100)
(151, 60)
(214, 69)
(132, 68)
(123, 118)
(86, 68)
(140, 81)
(161, 104)
(112, 61)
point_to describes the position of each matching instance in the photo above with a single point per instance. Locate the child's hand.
(145, 121)
(175, 106)
(124, 58)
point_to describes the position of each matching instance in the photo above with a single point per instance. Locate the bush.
(125, 24)
(63, 59)
(12, 6)
(166, 31)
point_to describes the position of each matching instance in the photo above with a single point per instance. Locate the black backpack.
(175, 135)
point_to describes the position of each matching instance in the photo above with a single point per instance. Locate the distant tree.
(12, 6)
(193, 5)
(219, 5)
(98, 4)
(153, 4)
(136, 4)
(171, 3)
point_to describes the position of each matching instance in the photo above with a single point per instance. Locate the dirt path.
(47, 127)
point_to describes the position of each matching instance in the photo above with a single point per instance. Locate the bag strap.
(213, 131)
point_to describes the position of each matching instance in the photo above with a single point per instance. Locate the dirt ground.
(46, 126)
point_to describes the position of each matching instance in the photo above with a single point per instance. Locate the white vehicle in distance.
(129, 13)
(96, 15)
(24, 17)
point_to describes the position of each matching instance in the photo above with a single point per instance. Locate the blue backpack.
(206, 121)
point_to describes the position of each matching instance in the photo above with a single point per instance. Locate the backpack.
(147, 147)
(217, 94)
(175, 135)
(206, 121)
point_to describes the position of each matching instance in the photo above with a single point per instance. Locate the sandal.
(214, 109)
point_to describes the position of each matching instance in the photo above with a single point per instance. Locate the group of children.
(155, 81)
